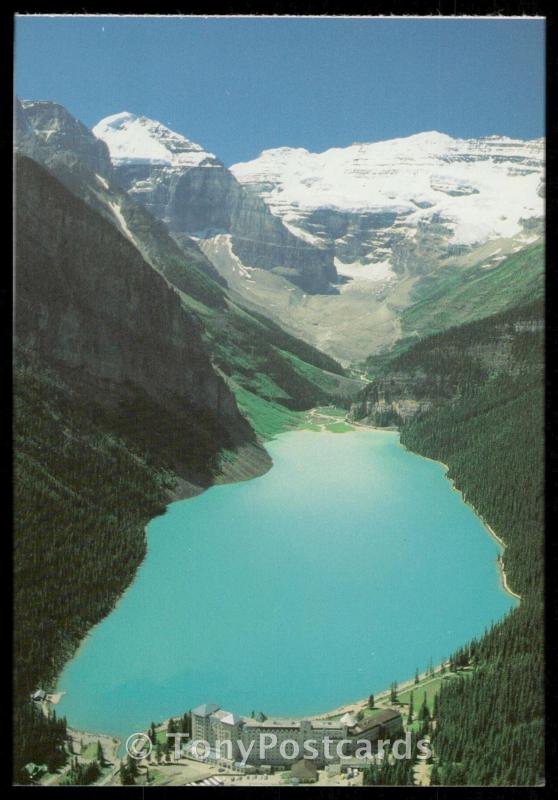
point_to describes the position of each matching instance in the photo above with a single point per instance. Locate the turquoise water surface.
(348, 565)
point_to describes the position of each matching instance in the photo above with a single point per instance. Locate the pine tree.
(411, 709)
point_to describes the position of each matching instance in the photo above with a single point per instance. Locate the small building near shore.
(305, 771)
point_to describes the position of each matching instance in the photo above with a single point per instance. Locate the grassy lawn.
(89, 752)
(162, 737)
(339, 427)
(311, 426)
(430, 686)
(155, 775)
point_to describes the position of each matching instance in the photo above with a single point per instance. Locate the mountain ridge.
(194, 194)
(369, 200)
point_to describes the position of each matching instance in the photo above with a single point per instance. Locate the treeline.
(489, 727)
(492, 442)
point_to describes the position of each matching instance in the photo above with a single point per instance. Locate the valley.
(188, 330)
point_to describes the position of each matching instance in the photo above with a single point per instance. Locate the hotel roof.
(226, 717)
(379, 718)
(205, 710)
(326, 724)
(276, 722)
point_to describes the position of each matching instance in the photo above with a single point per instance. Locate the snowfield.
(479, 188)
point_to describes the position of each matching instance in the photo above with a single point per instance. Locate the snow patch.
(236, 265)
(376, 271)
(102, 181)
(122, 224)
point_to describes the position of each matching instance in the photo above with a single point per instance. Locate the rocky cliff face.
(192, 192)
(389, 402)
(88, 303)
(440, 368)
(403, 204)
(59, 138)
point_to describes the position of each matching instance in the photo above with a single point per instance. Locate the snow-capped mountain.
(401, 202)
(194, 194)
(139, 140)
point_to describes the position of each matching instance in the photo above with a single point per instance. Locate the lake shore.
(500, 559)
(382, 698)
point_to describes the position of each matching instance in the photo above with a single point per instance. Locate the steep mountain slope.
(194, 194)
(49, 134)
(369, 317)
(478, 395)
(397, 207)
(460, 294)
(91, 306)
(389, 246)
(253, 351)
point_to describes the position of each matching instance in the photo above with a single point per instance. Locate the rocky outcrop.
(392, 400)
(59, 138)
(88, 303)
(440, 368)
(193, 193)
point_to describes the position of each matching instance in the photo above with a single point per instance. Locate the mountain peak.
(132, 139)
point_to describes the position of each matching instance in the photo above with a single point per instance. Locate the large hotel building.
(214, 725)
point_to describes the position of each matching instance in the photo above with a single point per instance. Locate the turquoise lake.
(348, 565)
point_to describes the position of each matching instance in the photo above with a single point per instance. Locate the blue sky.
(242, 85)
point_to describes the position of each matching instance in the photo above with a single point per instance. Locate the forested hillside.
(486, 423)
(83, 495)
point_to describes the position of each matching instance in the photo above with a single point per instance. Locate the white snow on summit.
(479, 188)
(139, 140)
